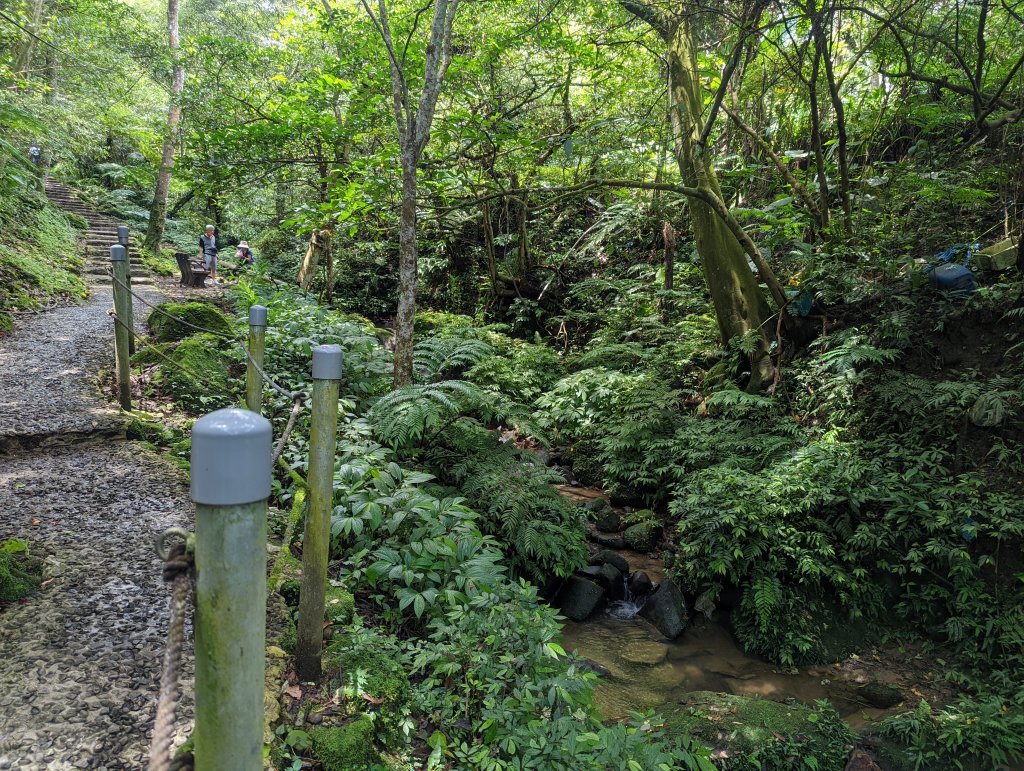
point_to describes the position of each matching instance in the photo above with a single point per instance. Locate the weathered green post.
(124, 238)
(253, 381)
(327, 368)
(230, 488)
(123, 311)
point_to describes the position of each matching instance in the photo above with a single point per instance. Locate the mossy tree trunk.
(740, 306)
(157, 212)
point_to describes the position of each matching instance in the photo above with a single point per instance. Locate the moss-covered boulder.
(193, 314)
(752, 734)
(346, 748)
(201, 381)
(642, 536)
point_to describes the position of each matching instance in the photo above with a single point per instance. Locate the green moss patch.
(339, 605)
(176, 321)
(39, 259)
(202, 379)
(751, 734)
(19, 573)
(348, 748)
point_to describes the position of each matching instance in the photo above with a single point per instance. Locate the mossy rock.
(200, 356)
(194, 314)
(19, 573)
(346, 748)
(752, 734)
(376, 672)
(643, 536)
(339, 605)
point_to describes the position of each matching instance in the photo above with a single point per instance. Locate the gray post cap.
(327, 364)
(118, 253)
(122, 235)
(257, 316)
(231, 458)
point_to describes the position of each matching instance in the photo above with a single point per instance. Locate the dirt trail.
(80, 659)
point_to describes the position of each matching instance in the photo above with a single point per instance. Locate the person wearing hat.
(244, 255)
(208, 251)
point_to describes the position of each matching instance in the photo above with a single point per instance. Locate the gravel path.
(80, 659)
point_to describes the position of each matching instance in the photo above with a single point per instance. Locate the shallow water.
(647, 672)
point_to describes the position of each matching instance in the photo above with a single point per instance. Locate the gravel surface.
(80, 659)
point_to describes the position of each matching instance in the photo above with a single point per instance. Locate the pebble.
(80, 658)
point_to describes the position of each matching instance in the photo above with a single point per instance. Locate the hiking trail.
(80, 658)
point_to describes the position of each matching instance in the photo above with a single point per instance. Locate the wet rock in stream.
(579, 597)
(666, 609)
(609, 557)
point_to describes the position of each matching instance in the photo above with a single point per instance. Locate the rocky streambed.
(628, 619)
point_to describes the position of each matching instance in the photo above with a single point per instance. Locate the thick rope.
(177, 572)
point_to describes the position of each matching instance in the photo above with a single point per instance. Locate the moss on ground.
(371, 667)
(19, 573)
(162, 263)
(193, 314)
(39, 259)
(346, 748)
(340, 605)
(751, 734)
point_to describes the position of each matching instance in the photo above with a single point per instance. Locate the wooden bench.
(192, 273)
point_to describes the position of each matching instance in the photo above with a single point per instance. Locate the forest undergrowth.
(876, 488)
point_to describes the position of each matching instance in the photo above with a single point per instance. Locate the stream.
(647, 672)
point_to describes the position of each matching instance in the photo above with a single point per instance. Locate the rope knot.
(177, 563)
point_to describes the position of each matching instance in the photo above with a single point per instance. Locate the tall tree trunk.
(25, 49)
(157, 212)
(739, 305)
(822, 43)
(816, 138)
(407, 273)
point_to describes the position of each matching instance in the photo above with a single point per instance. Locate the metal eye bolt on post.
(327, 370)
(124, 239)
(230, 487)
(123, 311)
(253, 381)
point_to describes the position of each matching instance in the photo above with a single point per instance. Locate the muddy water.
(647, 673)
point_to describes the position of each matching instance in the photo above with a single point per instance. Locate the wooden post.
(123, 310)
(124, 238)
(253, 381)
(230, 487)
(327, 368)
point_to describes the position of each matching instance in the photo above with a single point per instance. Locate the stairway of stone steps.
(98, 239)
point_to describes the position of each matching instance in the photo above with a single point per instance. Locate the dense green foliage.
(854, 461)
(38, 260)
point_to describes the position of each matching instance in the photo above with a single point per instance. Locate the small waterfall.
(628, 607)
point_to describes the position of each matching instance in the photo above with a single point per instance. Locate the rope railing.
(178, 571)
(230, 483)
(248, 355)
